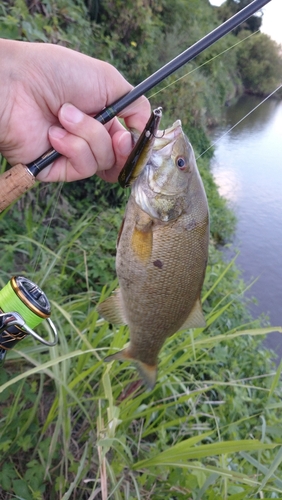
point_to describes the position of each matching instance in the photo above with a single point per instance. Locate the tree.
(231, 7)
(260, 64)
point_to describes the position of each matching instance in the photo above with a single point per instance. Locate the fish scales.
(162, 253)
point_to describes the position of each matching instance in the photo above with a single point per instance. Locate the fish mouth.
(166, 138)
(163, 150)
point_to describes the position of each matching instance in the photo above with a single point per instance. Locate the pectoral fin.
(142, 237)
(112, 309)
(142, 243)
(147, 372)
(196, 317)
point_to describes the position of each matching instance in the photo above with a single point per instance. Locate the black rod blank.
(108, 113)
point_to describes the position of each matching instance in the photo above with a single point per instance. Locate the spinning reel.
(23, 306)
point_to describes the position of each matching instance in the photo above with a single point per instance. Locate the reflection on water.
(248, 170)
(229, 185)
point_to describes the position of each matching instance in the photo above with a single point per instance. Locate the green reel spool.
(23, 306)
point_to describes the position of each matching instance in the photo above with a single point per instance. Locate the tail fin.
(147, 372)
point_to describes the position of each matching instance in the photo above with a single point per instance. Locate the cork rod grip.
(14, 183)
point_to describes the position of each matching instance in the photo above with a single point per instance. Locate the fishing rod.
(18, 179)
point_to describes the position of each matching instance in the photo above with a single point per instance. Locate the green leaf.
(275, 380)
(183, 451)
(272, 469)
(21, 489)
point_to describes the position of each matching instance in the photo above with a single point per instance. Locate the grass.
(75, 427)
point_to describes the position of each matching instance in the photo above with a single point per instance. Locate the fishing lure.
(141, 151)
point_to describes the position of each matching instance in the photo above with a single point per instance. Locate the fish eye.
(181, 163)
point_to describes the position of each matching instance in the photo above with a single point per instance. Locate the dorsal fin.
(196, 317)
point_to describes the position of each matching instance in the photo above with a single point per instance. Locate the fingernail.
(57, 132)
(71, 114)
(125, 144)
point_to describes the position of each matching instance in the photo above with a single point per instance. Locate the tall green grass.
(73, 427)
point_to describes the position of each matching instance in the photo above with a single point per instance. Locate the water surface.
(248, 170)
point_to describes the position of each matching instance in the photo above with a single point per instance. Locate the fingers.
(88, 147)
(137, 114)
(122, 146)
(85, 146)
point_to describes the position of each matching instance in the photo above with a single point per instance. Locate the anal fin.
(112, 309)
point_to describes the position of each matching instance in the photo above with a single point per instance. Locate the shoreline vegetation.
(73, 427)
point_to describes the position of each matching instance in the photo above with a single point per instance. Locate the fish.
(162, 252)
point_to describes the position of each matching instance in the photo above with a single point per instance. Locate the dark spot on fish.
(158, 263)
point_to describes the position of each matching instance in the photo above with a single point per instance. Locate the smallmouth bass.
(162, 252)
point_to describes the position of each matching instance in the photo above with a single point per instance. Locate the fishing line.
(240, 121)
(134, 104)
(201, 65)
(40, 250)
(197, 68)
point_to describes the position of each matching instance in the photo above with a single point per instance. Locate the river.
(247, 168)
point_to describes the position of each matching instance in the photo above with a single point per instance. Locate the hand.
(48, 97)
